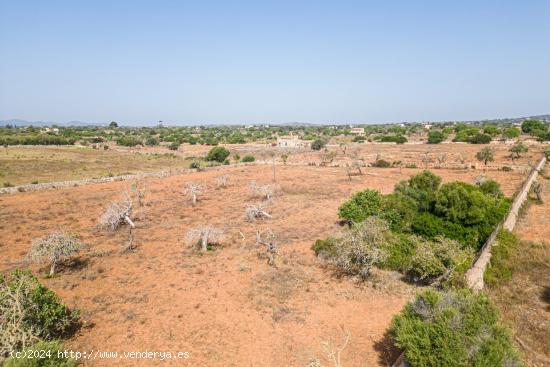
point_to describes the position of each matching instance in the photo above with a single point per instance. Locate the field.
(227, 307)
(29, 164)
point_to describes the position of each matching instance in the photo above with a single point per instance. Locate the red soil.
(227, 307)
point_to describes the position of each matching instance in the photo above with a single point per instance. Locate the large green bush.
(129, 141)
(435, 137)
(318, 144)
(453, 329)
(421, 188)
(34, 308)
(421, 205)
(41, 354)
(530, 125)
(217, 154)
(361, 206)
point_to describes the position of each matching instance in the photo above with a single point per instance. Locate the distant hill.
(20, 122)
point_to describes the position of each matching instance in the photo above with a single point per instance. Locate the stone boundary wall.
(474, 276)
(91, 181)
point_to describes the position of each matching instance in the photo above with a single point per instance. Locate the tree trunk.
(204, 242)
(52, 268)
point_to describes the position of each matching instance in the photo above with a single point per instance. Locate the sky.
(190, 62)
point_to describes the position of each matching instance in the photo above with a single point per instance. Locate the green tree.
(217, 154)
(318, 144)
(517, 149)
(435, 137)
(512, 132)
(531, 124)
(113, 124)
(485, 155)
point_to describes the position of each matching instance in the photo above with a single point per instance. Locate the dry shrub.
(53, 247)
(255, 212)
(362, 247)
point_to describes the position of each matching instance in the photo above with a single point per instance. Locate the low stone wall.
(474, 276)
(91, 181)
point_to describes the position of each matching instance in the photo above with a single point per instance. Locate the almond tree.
(194, 189)
(117, 214)
(221, 181)
(265, 191)
(203, 236)
(269, 240)
(53, 247)
(485, 155)
(256, 211)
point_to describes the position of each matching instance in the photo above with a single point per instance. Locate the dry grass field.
(227, 307)
(525, 299)
(25, 165)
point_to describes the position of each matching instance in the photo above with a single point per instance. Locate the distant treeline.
(41, 139)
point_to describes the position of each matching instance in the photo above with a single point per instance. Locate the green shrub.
(400, 252)
(421, 188)
(529, 125)
(361, 205)
(44, 354)
(34, 308)
(128, 141)
(226, 162)
(217, 154)
(506, 168)
(380, 163)
(248, 158)
(317, 144)
(435, 137)
(195, 165)
(492, 188)
(430, 226)
(480, 139)
(459, 328)
(174, 145)
(500, 267)
(325, 248)
(398, 139)
(152, 141)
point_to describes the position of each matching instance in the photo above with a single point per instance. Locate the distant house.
(358, 131)
(427, 126)
(291, 141)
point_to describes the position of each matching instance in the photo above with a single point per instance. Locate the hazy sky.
(273, 61)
